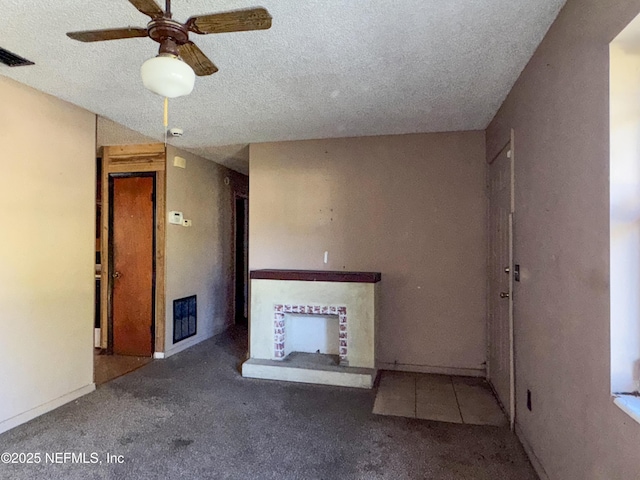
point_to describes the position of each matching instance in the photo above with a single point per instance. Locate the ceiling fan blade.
(200, 63)
(235, 21)
(148, 7)
(108, 34)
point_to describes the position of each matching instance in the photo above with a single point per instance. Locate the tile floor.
(108, 367)
(438, 397)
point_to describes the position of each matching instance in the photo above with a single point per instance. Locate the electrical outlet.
(529, 399)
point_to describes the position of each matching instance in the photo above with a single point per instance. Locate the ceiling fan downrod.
(167, 8)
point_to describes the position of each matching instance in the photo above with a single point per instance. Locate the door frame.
(110, 263)
(134, 159)
(510, 147)
(245, 197)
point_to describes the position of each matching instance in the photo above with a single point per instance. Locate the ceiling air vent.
(13, 60)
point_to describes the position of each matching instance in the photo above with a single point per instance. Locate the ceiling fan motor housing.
(169, 34)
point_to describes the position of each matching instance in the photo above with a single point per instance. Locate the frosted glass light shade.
(167, 76)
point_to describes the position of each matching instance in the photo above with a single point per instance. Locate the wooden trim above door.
(142, 158)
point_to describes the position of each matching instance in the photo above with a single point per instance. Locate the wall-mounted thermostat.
(175, 218)
(179, 162)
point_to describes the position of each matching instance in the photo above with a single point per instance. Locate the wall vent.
(185, 318)
(13, 60)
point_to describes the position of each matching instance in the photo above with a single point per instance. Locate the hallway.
(193, 416)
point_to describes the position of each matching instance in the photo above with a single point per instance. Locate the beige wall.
(112, 133)
(199, 259)
(409, 206)
(47, 193)
(559, 109)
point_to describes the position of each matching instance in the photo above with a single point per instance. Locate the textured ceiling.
(326, 68)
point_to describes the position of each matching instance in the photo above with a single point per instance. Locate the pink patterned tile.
(342, 309)
(278, 308)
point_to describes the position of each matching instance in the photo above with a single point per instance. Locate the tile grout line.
(455, 394)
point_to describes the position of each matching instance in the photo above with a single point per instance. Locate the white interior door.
(500, 361)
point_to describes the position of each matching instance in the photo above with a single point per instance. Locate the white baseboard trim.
(194, 340)
(24, 417)
(158, 355)
(405, 367)
(533, 458)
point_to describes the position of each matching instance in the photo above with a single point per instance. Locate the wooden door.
(500, 364)
(132, 265)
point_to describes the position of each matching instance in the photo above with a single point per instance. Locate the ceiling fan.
(173, 36)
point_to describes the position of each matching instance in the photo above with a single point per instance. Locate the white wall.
(199, 259)
(310, 333)
(47, 193)
(410, 206)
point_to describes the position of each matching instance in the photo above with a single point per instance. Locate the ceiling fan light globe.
(167, 76)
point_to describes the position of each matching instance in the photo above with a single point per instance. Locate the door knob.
(507, 269)
(504, 294)
(116, 275)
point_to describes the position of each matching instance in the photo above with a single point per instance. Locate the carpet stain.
(182, 442)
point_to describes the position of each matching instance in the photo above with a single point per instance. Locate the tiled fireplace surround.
(279, 333)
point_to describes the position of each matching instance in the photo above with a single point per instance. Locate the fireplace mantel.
(317, 276)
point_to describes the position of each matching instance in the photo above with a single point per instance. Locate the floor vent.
(13, 60)
(185, 318)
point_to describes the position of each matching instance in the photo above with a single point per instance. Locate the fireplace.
(280, 327)
(284, 302)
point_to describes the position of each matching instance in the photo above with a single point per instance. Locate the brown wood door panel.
(132, 267)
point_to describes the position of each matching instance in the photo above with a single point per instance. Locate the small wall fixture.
(167, 76)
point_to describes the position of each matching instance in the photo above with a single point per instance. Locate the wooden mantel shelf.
(316, 276)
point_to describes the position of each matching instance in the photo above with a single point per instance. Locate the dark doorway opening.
(241, 248)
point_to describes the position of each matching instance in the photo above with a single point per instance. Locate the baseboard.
(183, 345)
(533, 458)
(406, 367)
(24, 417)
